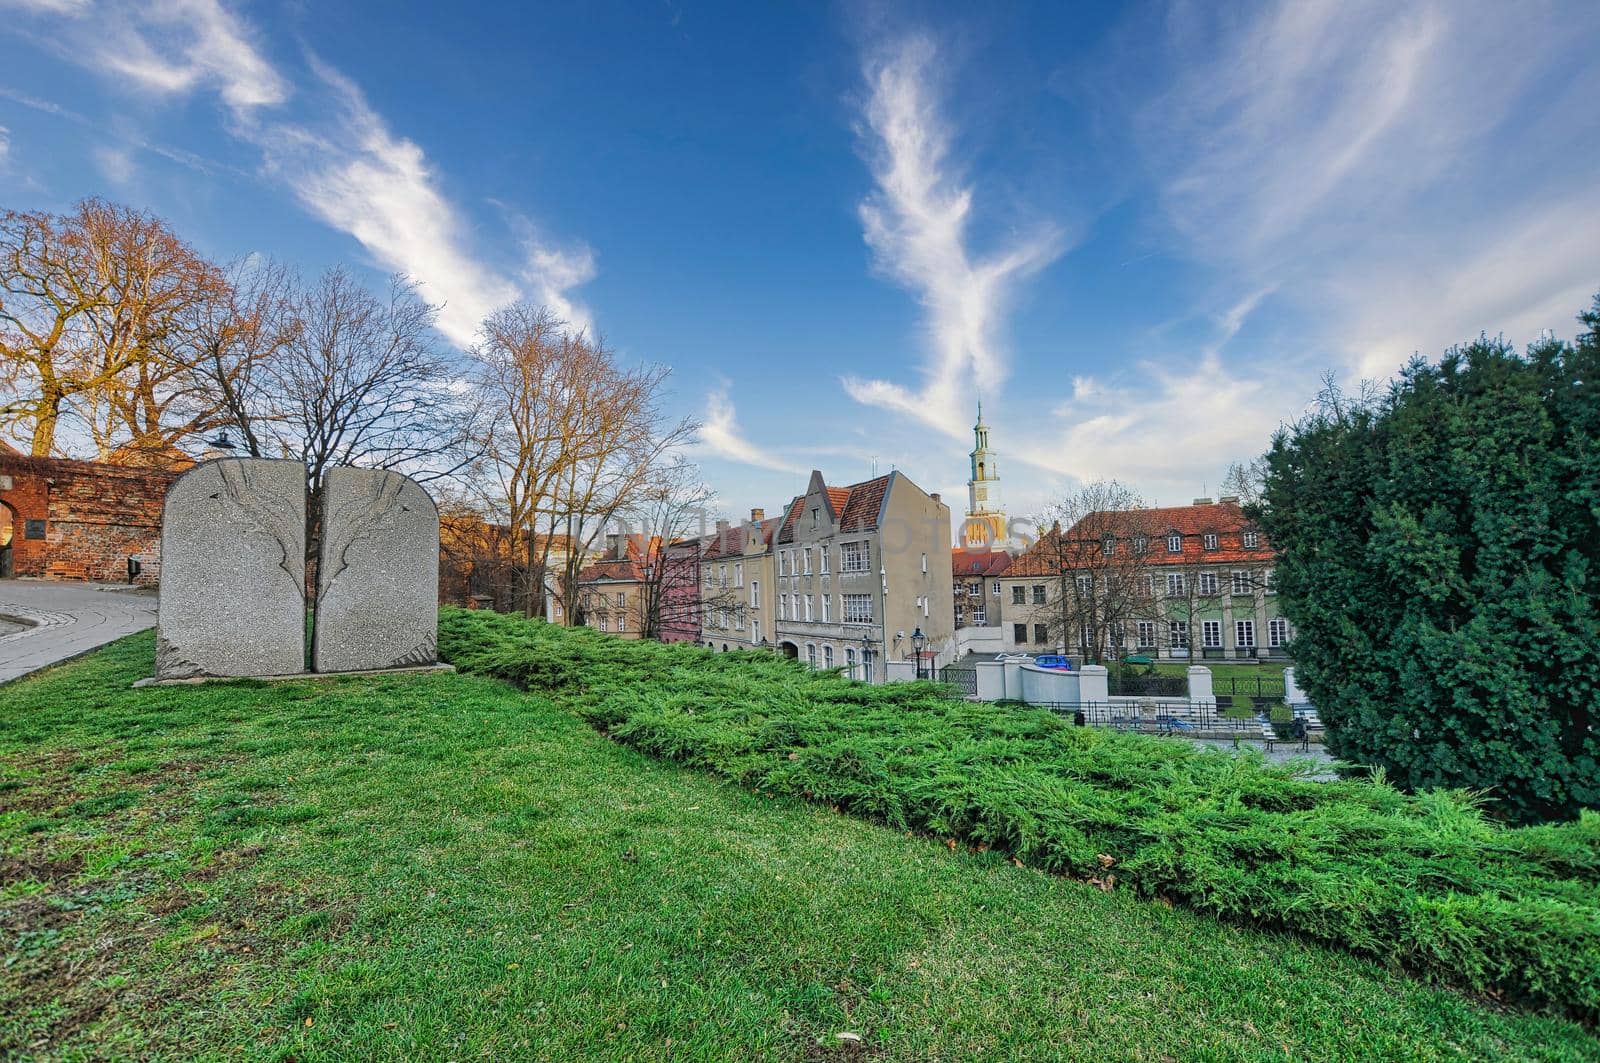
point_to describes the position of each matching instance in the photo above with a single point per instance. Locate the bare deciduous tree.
(568, 437)
(90, 304)
(1096, 555)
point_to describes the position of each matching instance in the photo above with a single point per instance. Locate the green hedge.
(1425, 880)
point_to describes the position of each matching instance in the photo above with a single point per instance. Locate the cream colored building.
(736, 584)
(859, 570)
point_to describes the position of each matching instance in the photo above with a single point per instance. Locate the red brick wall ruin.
(95, 517)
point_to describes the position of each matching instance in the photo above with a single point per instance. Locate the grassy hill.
(442, 866)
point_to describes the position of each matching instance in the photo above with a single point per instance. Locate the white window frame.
(1208, 583)
(1176, 587)
(1251, 539)
(827, 656)
(805, 556)
(823, 553)
(1145, 633)
(1211, 634)
(808, 604)
(1175, 543)
(827, 608)
(853, 614)
(811, 654)
(755, 593)
(996, 588)
(1178, 634)
(855, 556)
(1209, 540)
(1240, 581)
(738, 574)
(850, 661)
(1244, 634)
(1277, 633)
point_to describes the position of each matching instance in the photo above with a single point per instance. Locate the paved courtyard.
(67, 619)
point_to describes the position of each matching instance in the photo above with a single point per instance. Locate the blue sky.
(1142, 234)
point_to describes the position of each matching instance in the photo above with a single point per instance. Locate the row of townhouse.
(1179, 582)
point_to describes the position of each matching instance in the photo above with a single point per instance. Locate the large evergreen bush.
(1439, 556)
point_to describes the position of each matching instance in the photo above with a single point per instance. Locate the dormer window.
(1174, 543)
(1108, 546)
(1140, 545)
(1251, 540)
(1209, 540)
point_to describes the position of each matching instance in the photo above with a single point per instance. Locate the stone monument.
(233, 579)
(233, 571)
(377, 573)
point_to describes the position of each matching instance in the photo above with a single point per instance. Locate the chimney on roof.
(614, 544)
(934, 496)
(757, 515)
(1229, 498)
(722, 529)
(1202, 501)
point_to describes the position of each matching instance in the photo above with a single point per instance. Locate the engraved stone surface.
(377, 573)
(233, 571)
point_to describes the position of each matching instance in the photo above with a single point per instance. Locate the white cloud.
(5, 147)
(168, 47)
(917, 224)
(115, 163)
(346, 166)
(721, 436)
(1352, 156)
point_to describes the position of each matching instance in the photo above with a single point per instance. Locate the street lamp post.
(918, 640)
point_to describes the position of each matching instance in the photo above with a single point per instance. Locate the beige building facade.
(858, 571)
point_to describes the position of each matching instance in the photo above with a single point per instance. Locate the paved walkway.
(68, 619)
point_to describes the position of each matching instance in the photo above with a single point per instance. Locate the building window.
(1209, 540)
(1244, 634)
(1019, 594)
(622, 623)
(1145, 632)
(1208, 583)
(858, 608)
(924, 562)
(978, 616)
(783, 562)
(1211, 634)
(808, 608)
(1108, 546)
(827, 656)
(805, 556)
(1269, 581)
(33, 529)
(827, 608)
(960, 618)
(722, 576)
(811, 654)
(1178, 634)
(1241, 582)
(605, 625)
(1147, 585)
(996, 588)
(1174, 543)
(1041, 634)
(755, 631)
(783, 610)
(974, 590)
(738, 575)
(850, 661)
(1038, 594)
(1175, 588)
(1083, 638)
(855, 557)
(1251, 539)
(1277, 632)
(755, 593)
(1141, 545)
(1119, 634)
(1086, 585)
(822, 552)
(1019, 634)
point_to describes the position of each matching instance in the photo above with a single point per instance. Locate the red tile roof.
(1225, 520)
(978, 562)
(857, 507)
(612, 570)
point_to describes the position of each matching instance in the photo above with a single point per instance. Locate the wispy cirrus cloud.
(1347, 163)
(337, 156)
(721, 436)
(918, 224)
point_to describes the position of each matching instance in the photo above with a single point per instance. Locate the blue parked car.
(1053, 660)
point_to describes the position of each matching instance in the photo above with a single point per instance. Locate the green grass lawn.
(439, 866)
(1225, 669)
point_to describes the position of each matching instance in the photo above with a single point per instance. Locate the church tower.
(985, 525)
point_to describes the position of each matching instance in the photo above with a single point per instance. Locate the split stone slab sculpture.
(233, 571)
(377, 573)
(233, 578)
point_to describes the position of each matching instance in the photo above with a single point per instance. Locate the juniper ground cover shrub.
(1426, 880)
